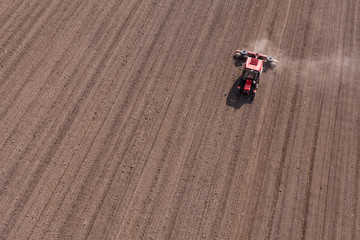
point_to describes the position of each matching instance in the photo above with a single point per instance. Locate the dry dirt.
(118, 120)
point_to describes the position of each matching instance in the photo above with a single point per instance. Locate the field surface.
(119, 120)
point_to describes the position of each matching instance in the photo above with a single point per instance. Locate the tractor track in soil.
(118, 120)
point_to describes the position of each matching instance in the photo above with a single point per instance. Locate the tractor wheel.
(269, 59)
(252, 97)
(237, 93)
(241, 54)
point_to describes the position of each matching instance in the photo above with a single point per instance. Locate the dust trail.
(314, 65)
(264, 46)
(261, 45)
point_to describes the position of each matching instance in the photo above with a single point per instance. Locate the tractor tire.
(252, 97)
(238, 93)
(269, 59)
(243, 52)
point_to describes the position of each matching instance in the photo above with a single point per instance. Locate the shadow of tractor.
(233, 99)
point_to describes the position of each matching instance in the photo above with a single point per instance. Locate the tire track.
(281, 163)
(288, 131)
(268, 147)
(269, 135)
(355, 205)
(287, 136)
(262, 168)
(326, 195)
(261, 22)
(290, 120)
(305, 213)
(335, 140)
(288, 127)
(275, 231)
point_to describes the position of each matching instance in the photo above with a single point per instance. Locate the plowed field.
(119, 120)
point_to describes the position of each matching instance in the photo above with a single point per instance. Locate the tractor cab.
(251, 74)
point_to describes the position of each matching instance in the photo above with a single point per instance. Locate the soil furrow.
(119, 120)
(15, 93)
(35, 103)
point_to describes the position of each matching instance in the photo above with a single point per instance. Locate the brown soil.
(119, 120)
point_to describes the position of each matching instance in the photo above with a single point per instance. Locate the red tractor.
(250, 77)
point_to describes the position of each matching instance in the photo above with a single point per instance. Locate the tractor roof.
(254, 63)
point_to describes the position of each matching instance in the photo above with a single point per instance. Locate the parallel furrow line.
(15, 23)
(66, 87)
(10, 13)
(207, 121)
(29, 23)
(61, 133)
(87, 152)
(232, 166)
(8, 85)
(114, 126)
(42, 125)
(356, 180)
(114, 172)
(289, 125)
(335, 140)
(158, 131)
(264, 159)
